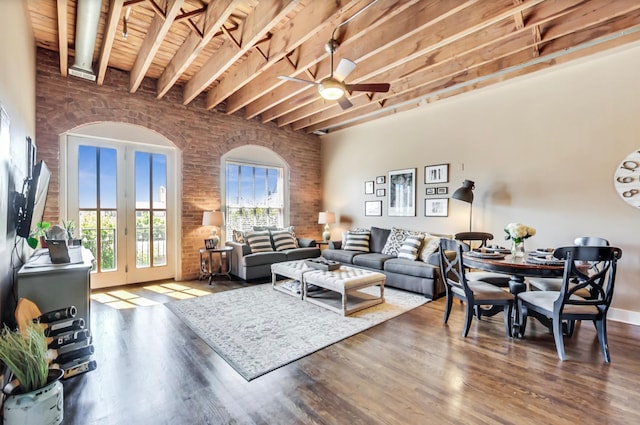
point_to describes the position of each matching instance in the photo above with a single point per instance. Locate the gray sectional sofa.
(419, 275)
(248, 265)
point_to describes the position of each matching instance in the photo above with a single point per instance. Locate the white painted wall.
(542, 150)
(18, 98)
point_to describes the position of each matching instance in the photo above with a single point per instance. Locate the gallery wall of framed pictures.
(399, 189)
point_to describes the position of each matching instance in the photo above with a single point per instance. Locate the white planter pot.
(43, 406)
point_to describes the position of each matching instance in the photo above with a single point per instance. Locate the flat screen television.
(34, 194)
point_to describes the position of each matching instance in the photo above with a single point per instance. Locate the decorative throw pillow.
(238, 236)
(357, 242)
(282, 239)
(395, 240)
(430, 244)
(291, 230)
(259, 241)
(410, 247)
(359, 231)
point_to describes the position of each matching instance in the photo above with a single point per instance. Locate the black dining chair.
(553, 308)
(481, 240)
(474, 293)
(554, 284)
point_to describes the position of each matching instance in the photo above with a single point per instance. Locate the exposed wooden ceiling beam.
(500, 39)
(563, 49)
(274, 91)
(215, 16)
(115, 10)
(261, 20)
(158, 29)
(63, 34)
(313, 18)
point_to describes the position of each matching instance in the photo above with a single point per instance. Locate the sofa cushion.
(394, 241)
(302, 253)
(372, 260)
(410, 267)
(378, 239)
(357, 242)
(283, 239)
(340, 255)
(410, 247)
(259, 241)
(262, 258)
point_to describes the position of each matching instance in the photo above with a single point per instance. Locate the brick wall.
(203, 136)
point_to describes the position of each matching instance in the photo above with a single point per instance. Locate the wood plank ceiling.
(231, 52)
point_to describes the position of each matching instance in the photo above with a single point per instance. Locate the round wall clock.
(627, 179)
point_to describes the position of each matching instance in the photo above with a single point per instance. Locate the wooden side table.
(322, 244)
(206, 262)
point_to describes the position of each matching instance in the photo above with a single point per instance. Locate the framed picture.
(373, 208)
(442, 190)
(402, 192)
(209, 244)
(431, 191)
(436, 173)
(368, 187)
(380, 180)
(436, 207)
(380, 192)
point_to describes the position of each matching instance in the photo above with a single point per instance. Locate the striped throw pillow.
(410, 247)
(259, 241)
(283, 239)
(357, 242)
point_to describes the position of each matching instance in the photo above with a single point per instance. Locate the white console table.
(55, 286)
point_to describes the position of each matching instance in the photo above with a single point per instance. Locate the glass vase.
(517, 249)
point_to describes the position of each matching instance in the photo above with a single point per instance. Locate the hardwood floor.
(409, 370)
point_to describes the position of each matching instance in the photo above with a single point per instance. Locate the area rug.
(257, 329)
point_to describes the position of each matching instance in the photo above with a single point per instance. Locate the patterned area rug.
(258, 329)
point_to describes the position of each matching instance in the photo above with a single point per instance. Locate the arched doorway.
(119, 184)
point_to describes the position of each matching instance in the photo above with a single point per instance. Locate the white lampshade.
(213, 218)
(326, 217)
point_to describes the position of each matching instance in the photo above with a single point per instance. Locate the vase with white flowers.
(518, 232)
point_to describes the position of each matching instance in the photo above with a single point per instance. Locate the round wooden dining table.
(518, 269)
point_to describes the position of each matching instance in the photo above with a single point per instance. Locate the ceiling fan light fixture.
(331, 89)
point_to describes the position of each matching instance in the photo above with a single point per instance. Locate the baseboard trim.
(624, 316)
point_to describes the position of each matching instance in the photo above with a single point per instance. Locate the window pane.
(108, 178)
(159, 170)
(108, 240)
(142, 239)
(87, 177)
(159, 238)
(142, 180)
(254, 197)
(88, 229)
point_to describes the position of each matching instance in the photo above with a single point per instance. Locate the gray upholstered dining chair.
(483, 238)
(474, 293)
(554, 308)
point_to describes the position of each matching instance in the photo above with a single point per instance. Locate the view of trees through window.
(254, 196)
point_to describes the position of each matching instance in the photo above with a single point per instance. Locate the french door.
(118, 198)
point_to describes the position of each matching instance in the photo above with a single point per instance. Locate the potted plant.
(36, 394)
(38, 235)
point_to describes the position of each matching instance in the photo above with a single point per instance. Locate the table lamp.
(215, 219)
(465, 194)
(326, 218)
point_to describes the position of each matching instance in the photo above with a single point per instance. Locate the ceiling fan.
(333, 87)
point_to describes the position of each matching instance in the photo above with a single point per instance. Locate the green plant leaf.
(32, 242)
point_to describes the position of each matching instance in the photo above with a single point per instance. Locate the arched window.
(256, 189)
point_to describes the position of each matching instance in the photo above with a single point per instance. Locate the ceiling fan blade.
(345, 67)
(372, 87)
(345, 103)
(296, 80)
